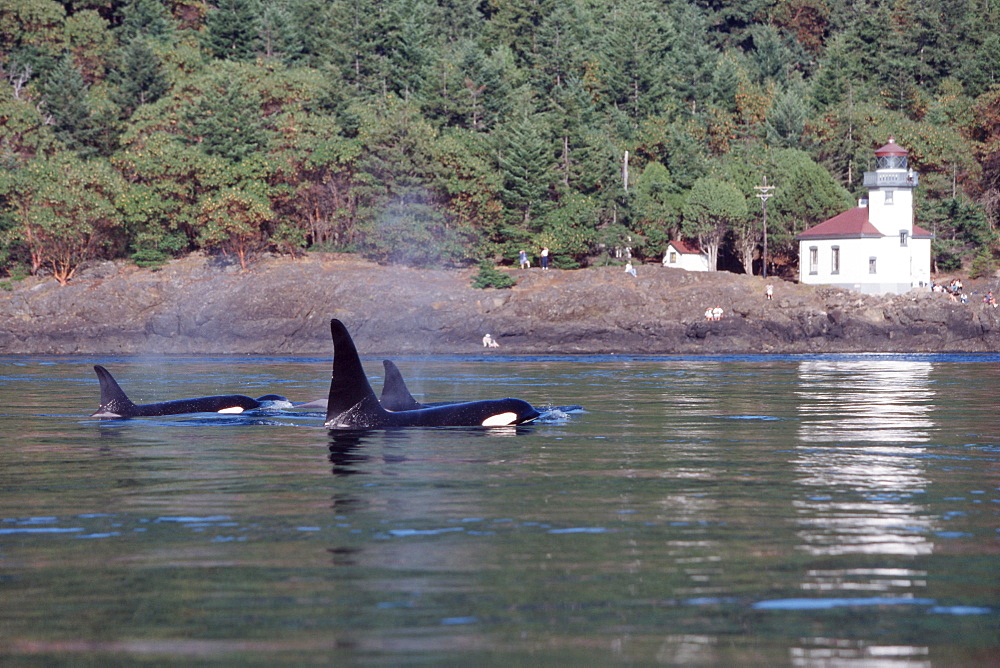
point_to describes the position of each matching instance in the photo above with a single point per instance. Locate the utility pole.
(764, 193)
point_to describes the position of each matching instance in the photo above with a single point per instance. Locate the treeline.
(444, 132)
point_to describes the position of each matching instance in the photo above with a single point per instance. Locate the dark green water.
(812, 511)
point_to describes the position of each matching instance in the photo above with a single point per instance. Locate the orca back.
(352, 403)
(115, 403)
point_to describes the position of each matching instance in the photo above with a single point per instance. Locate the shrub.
(491, 277)
(984, 264)
(149, 258)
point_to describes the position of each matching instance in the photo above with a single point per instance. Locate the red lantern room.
(891, 156)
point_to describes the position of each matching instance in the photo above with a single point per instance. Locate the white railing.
(885, 178)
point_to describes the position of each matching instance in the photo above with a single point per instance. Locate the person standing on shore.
(769, 291)
(545, 259)
(523, 258)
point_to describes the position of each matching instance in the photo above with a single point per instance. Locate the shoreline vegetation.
(204, 305)
(453, 132)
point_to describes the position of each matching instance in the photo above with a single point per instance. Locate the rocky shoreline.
(199, 305)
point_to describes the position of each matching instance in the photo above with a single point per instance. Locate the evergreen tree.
(693, 57)
(139, 77)
(226, 120)
(635, 59)
(657, 206)
(563, 45)
(726, 82)
(310, 37)
(279, 36)
(525, 163)
(148, 19)
(786, 122)
(515, 24)
(408, 49)
(65, 95)
(770, 55)
(233, 30)
(359, 31)
(573, 118)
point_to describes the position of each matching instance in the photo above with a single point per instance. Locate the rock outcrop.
(197, 305)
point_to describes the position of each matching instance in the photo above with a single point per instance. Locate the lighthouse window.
(890, 162)
(888, 197)
(903, 237)
(871, 265)
(813, 260)
(835, 261)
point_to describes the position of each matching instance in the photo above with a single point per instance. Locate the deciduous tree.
(64, 211)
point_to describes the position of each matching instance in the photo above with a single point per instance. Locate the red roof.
(892, 148)
(852, 224)
(685, 248)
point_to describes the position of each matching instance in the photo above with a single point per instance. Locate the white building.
(685, 256)
(875, 247)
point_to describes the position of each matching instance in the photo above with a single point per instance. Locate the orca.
(115, 403)
(352, 403)
(396, 396)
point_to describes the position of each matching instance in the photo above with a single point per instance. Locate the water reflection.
(344, 454)
(858, 458)
(861, 433)
(871, 401)
(824, 652)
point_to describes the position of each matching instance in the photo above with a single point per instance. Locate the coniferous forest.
(450, 132)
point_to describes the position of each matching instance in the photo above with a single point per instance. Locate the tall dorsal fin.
(349, 385)
(113, 398)
(395, 395)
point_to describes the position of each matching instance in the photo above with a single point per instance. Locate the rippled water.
(814, 511)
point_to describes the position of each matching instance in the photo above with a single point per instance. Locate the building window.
(888, 197)
(903, 237)
(835, 261)
(813, 260)
(672, 258)
(871, 265)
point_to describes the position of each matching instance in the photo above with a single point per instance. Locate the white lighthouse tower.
(875, 247)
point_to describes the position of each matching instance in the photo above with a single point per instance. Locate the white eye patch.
(501, 420)
(232, 409)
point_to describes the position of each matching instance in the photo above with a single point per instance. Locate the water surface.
(790, 510)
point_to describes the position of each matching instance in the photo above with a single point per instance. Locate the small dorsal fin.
(395, 395)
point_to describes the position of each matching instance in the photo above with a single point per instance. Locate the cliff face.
(197, 306)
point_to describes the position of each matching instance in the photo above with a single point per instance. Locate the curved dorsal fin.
(113, 398)
(395, 395)
(349, 386)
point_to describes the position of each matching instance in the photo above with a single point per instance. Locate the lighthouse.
(874, 248)
(890, 190)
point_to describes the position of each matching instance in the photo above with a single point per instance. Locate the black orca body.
(396, 396)
(115, 404)
(352, 403)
